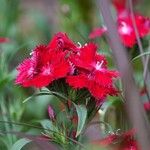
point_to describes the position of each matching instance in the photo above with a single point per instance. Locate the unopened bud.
(51, 113)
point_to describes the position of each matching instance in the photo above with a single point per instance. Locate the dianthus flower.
(47, 63)
(61, 41)
(82, 67)
(92, 73)
(42, 68)
(125, 25)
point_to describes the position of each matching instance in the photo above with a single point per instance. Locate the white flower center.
(98, 65)
(46, 70)
(125, 29)
(30, 71)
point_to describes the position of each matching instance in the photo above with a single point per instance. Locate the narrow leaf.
(143, 54)
(35, 95)
(47, 124)
(46, 93)
(82, 114)
(20, 144)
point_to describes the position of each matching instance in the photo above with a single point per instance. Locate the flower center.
(125, 29)
(30, 71)
(98, 65)
(46, 70)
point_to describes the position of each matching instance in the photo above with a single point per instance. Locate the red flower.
(126, 28)
(82, 67)
(4, 40)
(42, 68)
(123, 141)
(92, 73)
(97, 32)
(121, 5)
(87, 58)
(147, 106)
(26, 72)
(77, 81)
(61, 41)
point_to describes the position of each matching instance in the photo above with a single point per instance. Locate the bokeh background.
(28, 23)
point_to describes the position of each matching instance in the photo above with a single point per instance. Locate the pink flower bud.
(51, 113)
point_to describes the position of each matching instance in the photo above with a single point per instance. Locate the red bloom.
(82, 67)
(126, 29)
(61, 41)
(123, 141)
(4, 40)
(44, 67)
(97, 32)
(120, 5)
(87, 58)
(92, 73)
(26, 72)
(77, 81)
(147, 106)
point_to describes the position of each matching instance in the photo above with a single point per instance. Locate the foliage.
(73, 109)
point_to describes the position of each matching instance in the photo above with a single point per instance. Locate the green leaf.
(3, 142)
(47, 125)
(82, 114)
(143, 54)
(36, 94)
(46, 93)
(20, 144)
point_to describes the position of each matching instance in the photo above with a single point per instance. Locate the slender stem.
(146, 66)
(146, 76)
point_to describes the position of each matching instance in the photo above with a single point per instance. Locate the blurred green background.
(28, 23)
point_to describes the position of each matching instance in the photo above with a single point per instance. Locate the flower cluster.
(80, 66)
(125, 25)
